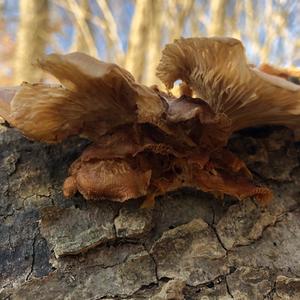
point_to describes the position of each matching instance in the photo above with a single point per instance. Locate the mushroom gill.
(218, 71)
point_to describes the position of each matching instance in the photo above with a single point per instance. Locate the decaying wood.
(146, 142)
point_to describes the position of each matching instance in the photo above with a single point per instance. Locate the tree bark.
(190, 246)
(137, 39)
(32, 39)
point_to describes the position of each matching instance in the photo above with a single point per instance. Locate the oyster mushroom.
(146, 142)
(218, 71)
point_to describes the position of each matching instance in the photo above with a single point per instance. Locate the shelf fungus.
(146, 142)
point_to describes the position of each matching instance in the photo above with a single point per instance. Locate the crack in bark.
(270, 295)
(213, 216)
(8, 297)
(279, 218)
(114, 224)
(216, 281)
(4, 217)
(219, 239)
(227, 287)
(33, 255)
(212, 226)
(154, 261)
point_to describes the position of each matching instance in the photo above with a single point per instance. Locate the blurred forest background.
(133, 32)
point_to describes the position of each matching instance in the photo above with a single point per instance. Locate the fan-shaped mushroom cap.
(217, 70)
(95, 97)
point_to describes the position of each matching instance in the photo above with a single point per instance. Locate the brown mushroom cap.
(95, 97)
(217, 70)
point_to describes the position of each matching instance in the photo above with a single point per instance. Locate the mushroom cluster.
(146, 142)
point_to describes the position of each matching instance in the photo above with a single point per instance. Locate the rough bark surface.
(190, 246)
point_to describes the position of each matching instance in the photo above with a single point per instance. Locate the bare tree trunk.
(197, 19)
(1, 8)
(217, 26)
(146, 34)
(270, 36)
(80, 43)
(84, 40)
(155, 28)
(32, 39)
(113, 42)
(179, 12)
(276, 31)
(235, 31)
(251, 22)
(137, 40)
(296, 50)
